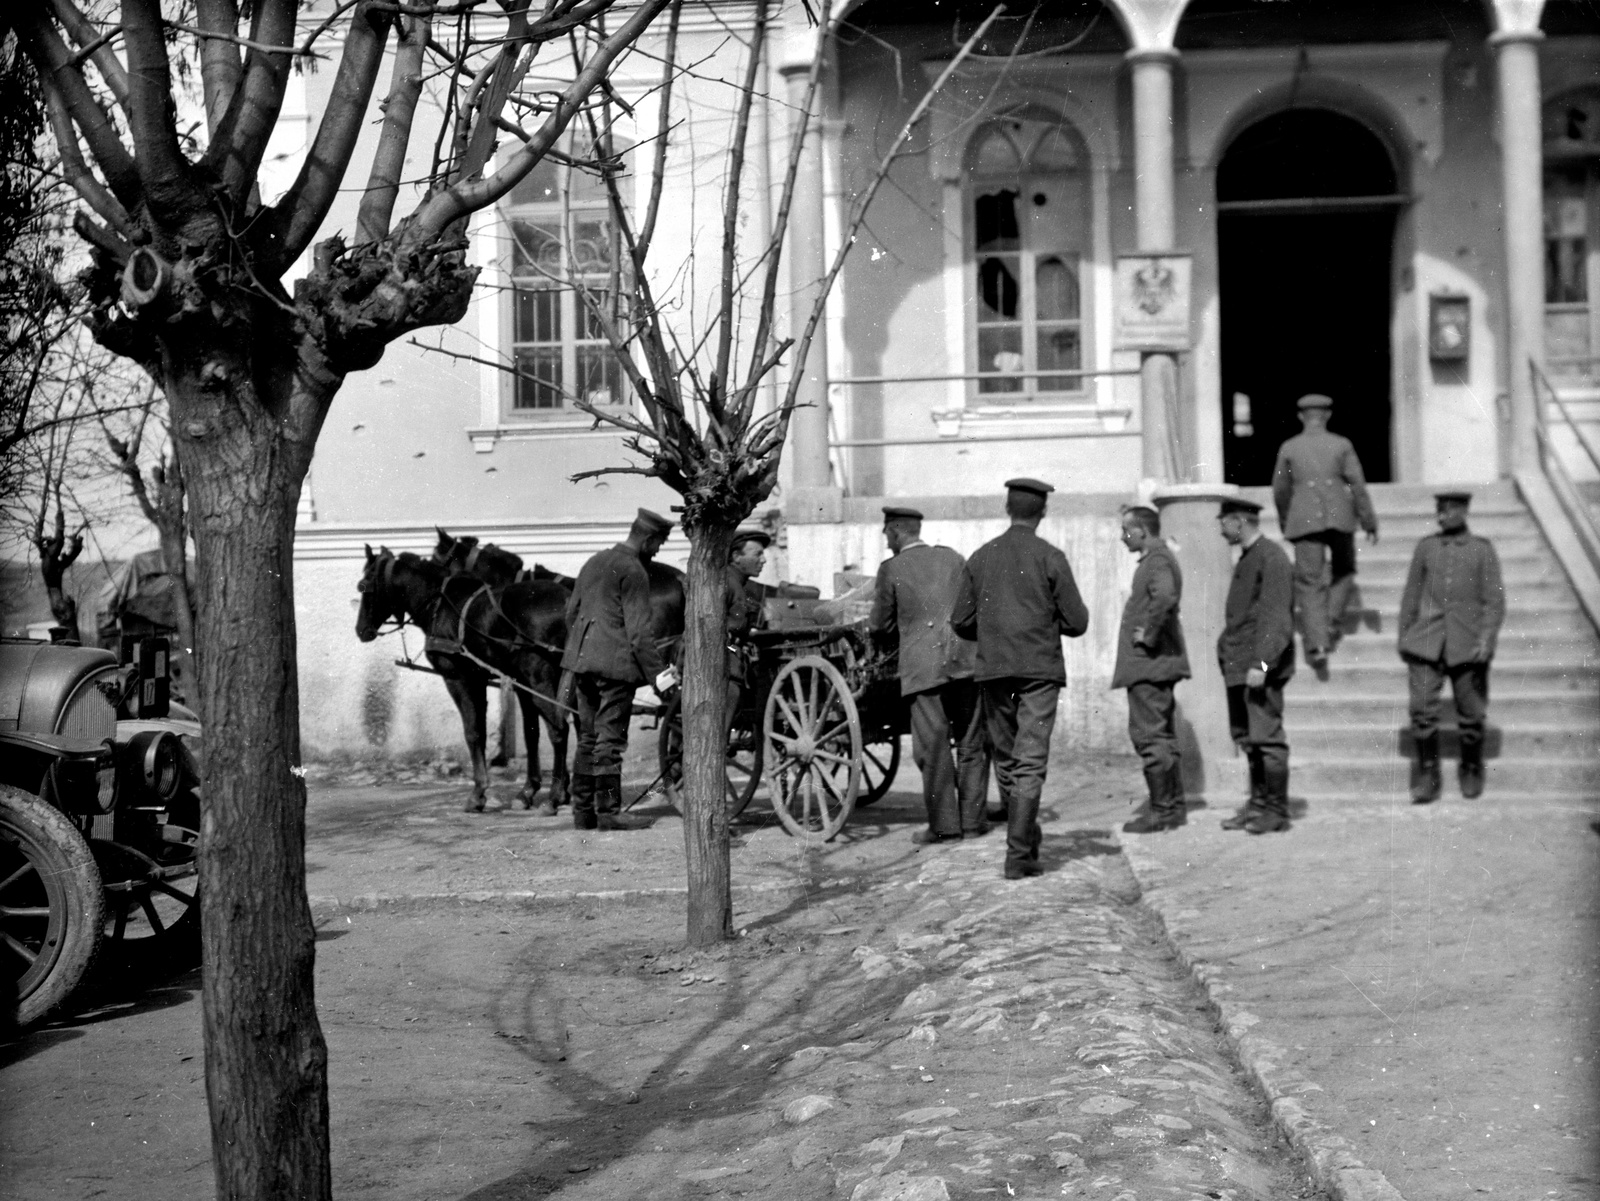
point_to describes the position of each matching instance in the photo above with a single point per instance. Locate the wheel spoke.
(24, 911)
(29, 955)
(151, 915)
(162, 886)
(840, 759)
(794, 722)
(121, 925)
(27, 869)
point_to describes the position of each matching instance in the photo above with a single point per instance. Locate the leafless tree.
(187, 281)
(702, 430)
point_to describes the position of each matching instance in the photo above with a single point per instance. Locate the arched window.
(563, 244)
(1029, 216)
(1572, 233)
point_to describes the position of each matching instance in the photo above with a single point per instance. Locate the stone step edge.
(328, 906)
(1329, 1155)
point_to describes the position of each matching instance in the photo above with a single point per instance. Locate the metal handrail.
(1579, 511)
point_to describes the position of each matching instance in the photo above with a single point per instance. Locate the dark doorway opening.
(1305, 240)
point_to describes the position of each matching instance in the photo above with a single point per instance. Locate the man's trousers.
(1320, 604)
(953, 788)
(1469, 683)
(1020, 714)
(1151, 713)
(604, 708)
(1255, 718)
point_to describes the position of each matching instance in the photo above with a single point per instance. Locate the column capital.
(1152, 54)
(1195, 493)
(794, 52)
(1514, 37)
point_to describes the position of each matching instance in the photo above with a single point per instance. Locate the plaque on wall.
(1449, 328)
(1152, 301)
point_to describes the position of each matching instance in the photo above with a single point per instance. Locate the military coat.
(743, 609)
(608, 620)
(1454, 599)
(1317, 485)
(1259, 615)
(1160, 656)
(915, 591)
(1017, 599)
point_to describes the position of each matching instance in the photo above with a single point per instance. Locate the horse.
(518, 630)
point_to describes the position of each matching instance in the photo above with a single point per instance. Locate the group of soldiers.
(979, 645)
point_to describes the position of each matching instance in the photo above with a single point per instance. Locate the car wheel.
(52, 908)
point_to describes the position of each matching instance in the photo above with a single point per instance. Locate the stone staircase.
(1348, 735)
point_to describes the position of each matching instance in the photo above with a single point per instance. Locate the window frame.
(557, 216)
(1561, 155)
(1080, 259)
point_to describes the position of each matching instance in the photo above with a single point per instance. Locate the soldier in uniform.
(1256, 654)
(916, 589)
(1151, 659)
(746, 557)
(1017, 600)
(610, 652)
(1450, 618)
(1321, 494)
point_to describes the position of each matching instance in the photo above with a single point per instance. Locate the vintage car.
(99, 822)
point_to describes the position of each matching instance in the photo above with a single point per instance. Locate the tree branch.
(152, 119)
(658, 166)
(94, 46)
(383, 183)
(73, 169)
(300, 213)
(235, 153)
(220, 65)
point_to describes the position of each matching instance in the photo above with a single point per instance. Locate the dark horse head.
(466, 555)
(396, 588)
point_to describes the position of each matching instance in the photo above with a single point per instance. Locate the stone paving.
(1082, 1061)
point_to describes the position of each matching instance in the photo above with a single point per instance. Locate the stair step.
(1385, 677)
(1532, 594)
(1326, 773)
(1379, 647)
(1549, 615)
(1575, 740)
(1526, 706)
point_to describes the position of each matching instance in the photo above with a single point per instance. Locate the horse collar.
(472, 558)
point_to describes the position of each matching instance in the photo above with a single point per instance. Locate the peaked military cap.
(1460, 497)
(751, 534)
(653, 522)
(890, 512)
(1023, 484)
(1142, 509)
(1238, 504)
(1314, 400)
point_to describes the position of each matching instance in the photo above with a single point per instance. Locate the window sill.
(533, 429)
(1056, 418)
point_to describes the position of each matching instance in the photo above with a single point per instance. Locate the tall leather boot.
(583, 815)
(1158, 817)
(1470, 771)
(1425, 782)
(1258, 791)
(608, 805)
(1177, 805)
(1274, 812)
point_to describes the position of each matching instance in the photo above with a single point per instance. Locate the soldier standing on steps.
(610, 652)
(1017, 599)
(1151, 659)
(1450, 619)
(915, 591)
(1321, 494)
(1256, 654)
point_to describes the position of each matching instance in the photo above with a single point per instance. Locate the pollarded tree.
(187, 281)
(702, 429)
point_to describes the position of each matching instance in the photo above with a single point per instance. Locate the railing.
(1578, 509)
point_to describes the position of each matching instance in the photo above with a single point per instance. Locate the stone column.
(1522, 217)
(814, 497)
(1156, 229)
(1212, 767)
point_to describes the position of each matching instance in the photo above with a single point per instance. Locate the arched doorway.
(1306, 205)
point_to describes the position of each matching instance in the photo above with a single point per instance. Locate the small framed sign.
(1152, 301)
(1449, 327)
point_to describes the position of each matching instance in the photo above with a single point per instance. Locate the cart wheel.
(152, 910)
(813, 737)
(744, 758)
(879, 763)
(51, 905)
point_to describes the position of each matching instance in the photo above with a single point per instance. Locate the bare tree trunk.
(266, 1060)
(175, 558)
(64, 608)
(57, 552)
(705, 738)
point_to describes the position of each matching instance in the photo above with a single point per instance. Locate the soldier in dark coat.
(915, 592)
(1321, 495)
(1256, 654)
(1151, 659)
(610, 652)
(746, 557)
(1017, 600)
(1450, 619)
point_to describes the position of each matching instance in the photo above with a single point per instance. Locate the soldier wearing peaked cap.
(746, 558)
(1321, 495)
(1151, 659)
(1017, 600)
(915, 591)
(610, 652)
(1450, 616)
(1256, 653)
